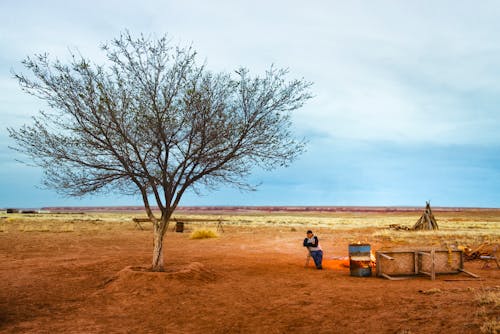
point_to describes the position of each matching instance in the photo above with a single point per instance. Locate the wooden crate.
(398, 264)
(441, 262)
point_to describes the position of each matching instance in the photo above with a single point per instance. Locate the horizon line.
(330, 208)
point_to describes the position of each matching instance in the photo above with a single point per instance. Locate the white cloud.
(393, 71)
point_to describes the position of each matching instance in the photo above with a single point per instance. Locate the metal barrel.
(360, 259)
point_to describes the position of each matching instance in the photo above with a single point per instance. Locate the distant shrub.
(203, 234)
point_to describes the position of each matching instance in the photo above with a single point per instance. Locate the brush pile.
(427, 221)
(485, 249)
(398, 227)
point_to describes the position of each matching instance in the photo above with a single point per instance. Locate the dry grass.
(457, 237)
(491, 298)
(459, 228)
(490, 327)
(404, 331)
(203, 234)
(34, 228)
(432, 291)
(489, 303)
(66, 222)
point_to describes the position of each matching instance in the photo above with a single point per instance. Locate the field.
(85, 272)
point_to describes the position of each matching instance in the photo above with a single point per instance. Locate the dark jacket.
(309, 244)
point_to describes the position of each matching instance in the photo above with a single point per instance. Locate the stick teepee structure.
(427, 221)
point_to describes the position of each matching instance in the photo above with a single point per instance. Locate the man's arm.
(309, 244)
(315, 244)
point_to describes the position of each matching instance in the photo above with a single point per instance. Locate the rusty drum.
(179, 227)
(360, 260)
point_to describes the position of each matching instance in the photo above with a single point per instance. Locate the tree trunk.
(158, 248)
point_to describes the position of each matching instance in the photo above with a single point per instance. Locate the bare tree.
(153, 122)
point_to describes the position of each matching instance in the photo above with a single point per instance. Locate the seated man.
(312, 243)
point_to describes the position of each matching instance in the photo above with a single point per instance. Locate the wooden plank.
(377, 258)
(461, 260)
(386, 256)
(433, 265)
(415, 263)
(138, 222)
(468, 273)
(141, 220)
(396, 251)
(424, 253)
(392, 278)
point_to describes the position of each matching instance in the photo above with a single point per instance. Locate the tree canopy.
(153, 122)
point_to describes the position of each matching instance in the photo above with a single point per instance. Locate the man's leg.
(318, 258)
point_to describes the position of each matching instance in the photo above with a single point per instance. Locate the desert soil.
(248, 280)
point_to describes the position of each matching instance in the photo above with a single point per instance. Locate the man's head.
(309, 234)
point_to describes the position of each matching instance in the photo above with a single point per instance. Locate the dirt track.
(249, 280)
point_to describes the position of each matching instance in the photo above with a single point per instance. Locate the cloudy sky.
(407, 93)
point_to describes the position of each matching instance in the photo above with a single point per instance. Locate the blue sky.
(407, 93)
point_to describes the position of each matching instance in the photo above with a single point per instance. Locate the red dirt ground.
(245, 281)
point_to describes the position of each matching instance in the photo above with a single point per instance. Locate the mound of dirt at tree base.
(139, 279)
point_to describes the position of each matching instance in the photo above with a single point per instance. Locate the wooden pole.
(433, 265)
